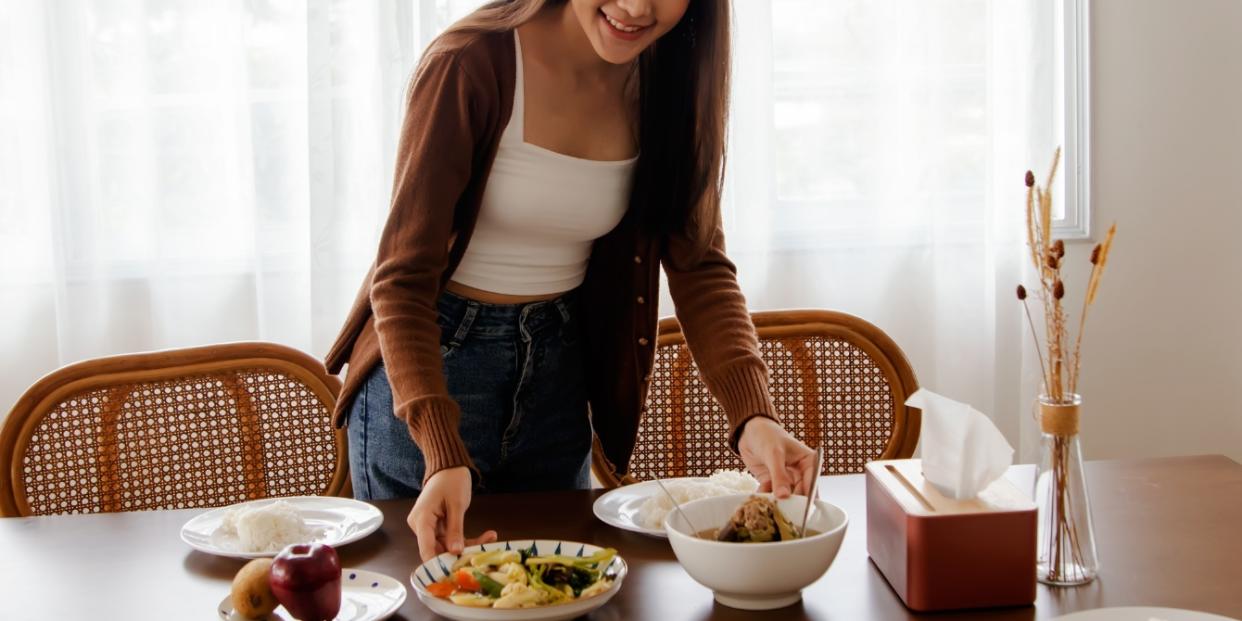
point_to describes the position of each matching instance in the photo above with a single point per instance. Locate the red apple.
(306, 580)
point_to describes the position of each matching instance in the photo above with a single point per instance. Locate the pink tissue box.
(943, 554)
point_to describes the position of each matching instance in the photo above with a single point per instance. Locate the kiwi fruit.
(252, 596)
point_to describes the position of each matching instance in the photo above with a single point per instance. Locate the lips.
(622, 30)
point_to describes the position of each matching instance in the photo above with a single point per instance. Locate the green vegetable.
(577, 578)
(558, 573)
(490, 587)
(536, 581)
(585, 562)
(581, 579)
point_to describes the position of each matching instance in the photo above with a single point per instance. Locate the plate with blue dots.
(365, 596)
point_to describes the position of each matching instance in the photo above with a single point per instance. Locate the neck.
(566, 47)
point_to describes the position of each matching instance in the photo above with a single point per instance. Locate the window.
(859, 120)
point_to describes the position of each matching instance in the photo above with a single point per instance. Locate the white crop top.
(541, 212)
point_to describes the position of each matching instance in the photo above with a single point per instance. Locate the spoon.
(677, 506)
(810, 497)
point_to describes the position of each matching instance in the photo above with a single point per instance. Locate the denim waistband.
(507, 319)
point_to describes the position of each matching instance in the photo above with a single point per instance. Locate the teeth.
(622, 27)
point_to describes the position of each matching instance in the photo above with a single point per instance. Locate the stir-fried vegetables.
(517, 579)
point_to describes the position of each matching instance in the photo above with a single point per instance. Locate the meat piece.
(758, 520)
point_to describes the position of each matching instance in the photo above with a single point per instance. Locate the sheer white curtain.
(875, 167)
(175, 173)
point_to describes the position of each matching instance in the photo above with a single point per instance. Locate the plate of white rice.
(641, 507)
(262, 528)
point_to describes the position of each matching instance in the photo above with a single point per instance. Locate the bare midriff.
(491, 297)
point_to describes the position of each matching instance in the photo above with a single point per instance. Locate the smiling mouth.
(622, 27)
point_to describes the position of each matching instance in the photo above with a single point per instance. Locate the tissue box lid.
(903, 478)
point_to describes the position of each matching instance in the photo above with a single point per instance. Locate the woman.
(554, 154)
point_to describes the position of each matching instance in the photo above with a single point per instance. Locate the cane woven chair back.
(837, 381)
(199, 427)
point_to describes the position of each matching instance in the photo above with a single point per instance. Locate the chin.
(616, 57)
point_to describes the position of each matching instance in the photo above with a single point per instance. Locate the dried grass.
(1063, 365)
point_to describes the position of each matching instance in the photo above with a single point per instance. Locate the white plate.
(365, 596)
(439, 567)
(619, 507)
(1141, 613)
(340, 520)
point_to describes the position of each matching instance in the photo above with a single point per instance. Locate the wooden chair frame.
(788, 326)
(46, 394)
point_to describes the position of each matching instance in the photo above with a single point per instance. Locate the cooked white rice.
(267, 528)
(651, 513)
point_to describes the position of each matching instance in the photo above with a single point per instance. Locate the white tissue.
(962, 451)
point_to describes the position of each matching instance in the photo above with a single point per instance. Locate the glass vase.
(1066, 553)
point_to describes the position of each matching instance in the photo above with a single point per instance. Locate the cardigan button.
(642, 340)
(642, 300)
(638, 259)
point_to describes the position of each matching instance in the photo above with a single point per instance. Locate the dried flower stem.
(1030, 218)
(1062, 544)
(1055, 331)
(1052, 172)
(1099, 258)
(1043, 367)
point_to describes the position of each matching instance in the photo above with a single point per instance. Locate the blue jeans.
(517, 372)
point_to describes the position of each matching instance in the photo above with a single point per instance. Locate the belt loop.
(564, 308)
(463, 328)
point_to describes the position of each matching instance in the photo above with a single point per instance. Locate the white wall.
(1163, 355)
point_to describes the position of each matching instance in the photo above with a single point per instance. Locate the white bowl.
(756, 576)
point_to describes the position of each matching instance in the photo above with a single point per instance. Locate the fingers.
(775, 462)
(453, 526)
(804, 480)
(486, 537)
(798, 482)
(807, 466)
(424, 525)
(765, 484)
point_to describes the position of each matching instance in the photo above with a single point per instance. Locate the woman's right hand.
(438, 514)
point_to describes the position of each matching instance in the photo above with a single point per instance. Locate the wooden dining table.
(1169, 533)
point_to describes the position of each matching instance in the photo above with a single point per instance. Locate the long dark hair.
(683, 103)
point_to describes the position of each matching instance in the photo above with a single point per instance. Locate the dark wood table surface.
(1169, 534)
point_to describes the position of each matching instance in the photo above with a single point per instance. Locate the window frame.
(1075, 224)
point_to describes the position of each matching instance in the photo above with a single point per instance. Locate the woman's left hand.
(777, 459)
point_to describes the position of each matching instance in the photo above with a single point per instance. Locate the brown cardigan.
(458, 104)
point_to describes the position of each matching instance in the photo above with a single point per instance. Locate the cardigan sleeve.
(718, 328)
(434, 164)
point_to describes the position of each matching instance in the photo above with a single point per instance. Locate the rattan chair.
(199, 427)
(837, 380)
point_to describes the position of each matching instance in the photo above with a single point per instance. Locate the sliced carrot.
(466, 582)
(441, 589)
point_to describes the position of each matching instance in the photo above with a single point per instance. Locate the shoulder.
(468, 74)
(484, 56)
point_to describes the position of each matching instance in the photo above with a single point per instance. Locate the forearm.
(719, 330)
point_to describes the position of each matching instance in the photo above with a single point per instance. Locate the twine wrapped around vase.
(1058, 420)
